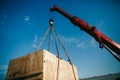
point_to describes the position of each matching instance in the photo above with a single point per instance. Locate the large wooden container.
(40, 65)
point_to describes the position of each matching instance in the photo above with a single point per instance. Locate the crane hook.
(51, 22)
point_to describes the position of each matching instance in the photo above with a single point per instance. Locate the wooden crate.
(40, 65)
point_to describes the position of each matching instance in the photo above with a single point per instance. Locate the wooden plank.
(51, 65)
(40, 65)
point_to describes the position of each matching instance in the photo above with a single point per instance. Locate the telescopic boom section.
(91, 30)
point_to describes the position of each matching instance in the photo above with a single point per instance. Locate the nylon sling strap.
(49, 38)
(65, 53)
(58, 54)
(56, 36)
(43, 38)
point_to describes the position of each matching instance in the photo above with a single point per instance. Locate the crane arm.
(91, 30)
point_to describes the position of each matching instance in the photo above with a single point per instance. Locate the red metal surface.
(91, 30)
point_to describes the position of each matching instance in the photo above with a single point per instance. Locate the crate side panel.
(50, 66)
(26, 65)
(65, 71)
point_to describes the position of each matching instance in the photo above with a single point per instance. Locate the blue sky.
(24, 22)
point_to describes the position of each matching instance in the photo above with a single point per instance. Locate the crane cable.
(49, 38)
(51, 27)
(66, 53)
(58, 54)
(55, 34)
(43, 38)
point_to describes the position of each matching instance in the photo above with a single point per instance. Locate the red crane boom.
(104, 41)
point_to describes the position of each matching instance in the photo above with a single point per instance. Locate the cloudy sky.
(24, 22)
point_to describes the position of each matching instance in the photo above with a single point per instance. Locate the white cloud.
(26, 18)
(69, 39)
(34, 44)
(80, 45)
(100, 24)
(93, 43)
(72, 41)
(3, 67)
(35, 39)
